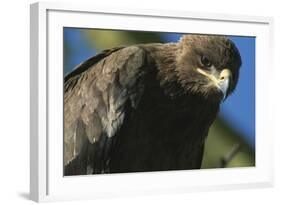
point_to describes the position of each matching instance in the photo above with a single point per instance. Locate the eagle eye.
(206, 61)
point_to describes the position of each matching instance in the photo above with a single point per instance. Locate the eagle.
(146, 107)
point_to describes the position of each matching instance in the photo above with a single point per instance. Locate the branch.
(226, 159)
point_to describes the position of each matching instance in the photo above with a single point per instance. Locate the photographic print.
(138, 101)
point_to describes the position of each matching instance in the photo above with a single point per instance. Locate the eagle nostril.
(225, 74)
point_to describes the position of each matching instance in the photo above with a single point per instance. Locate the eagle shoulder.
(96, 94)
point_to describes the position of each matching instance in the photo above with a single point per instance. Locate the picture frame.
(46, 96)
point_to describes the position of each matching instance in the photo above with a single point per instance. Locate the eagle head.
(207, 65)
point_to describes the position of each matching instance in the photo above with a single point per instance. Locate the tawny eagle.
(146, 107)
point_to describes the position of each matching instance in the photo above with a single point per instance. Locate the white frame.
(47, 20)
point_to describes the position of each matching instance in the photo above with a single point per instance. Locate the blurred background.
(231, 138)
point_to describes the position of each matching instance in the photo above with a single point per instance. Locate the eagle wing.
(95, 97)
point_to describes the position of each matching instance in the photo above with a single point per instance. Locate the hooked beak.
(222, 82)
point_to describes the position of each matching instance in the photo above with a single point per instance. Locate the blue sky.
(239, 110)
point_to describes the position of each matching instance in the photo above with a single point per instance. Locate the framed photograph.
(128, 102)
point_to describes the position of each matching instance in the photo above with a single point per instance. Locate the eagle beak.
(221, 80)
(224, 81)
